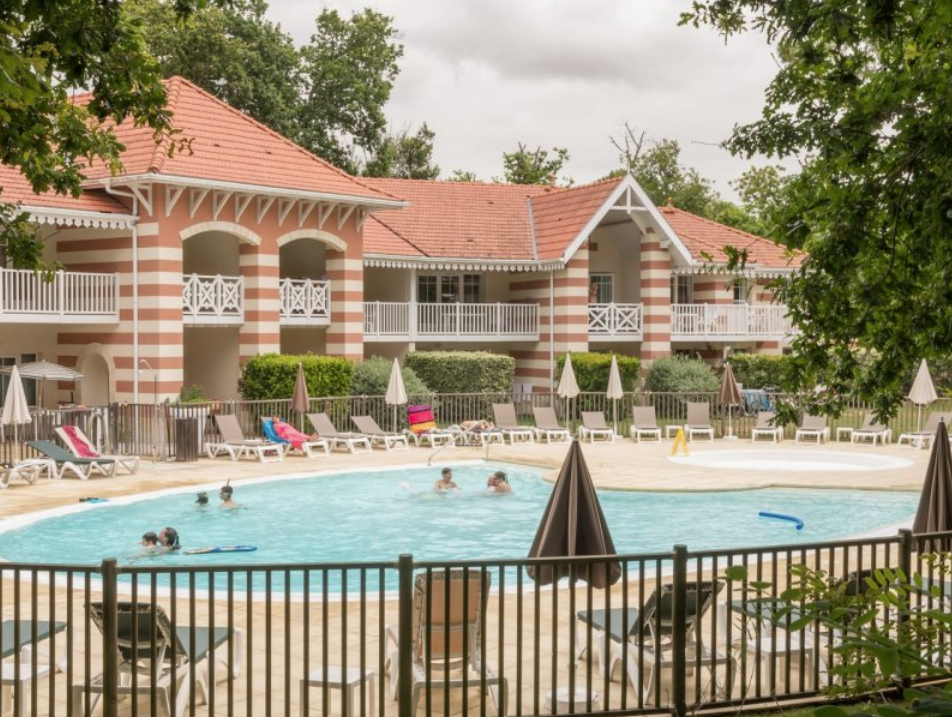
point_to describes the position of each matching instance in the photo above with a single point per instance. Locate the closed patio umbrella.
(922, 392)
(300, 401)
(568, 387)
(573, 525)
(16, 411)
(396, 391)
(615, 390)
(729, 395)
(934, 514)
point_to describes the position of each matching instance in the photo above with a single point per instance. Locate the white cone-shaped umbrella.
(396, 392)
(16, 410)
(922, 392)
(568, 388)
(615, 390)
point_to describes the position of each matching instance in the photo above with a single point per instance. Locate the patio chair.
(309, 448)
(594, 427)
(547, 425)
(649, 634)
(20, 639)
(871, 431)
(66, 462)
(423, 428)
(504, 418)
(379, 437)
(766, 426)
(236, 446)
(644, 423)
(80, 446)
(353, 442)
(699, 420)
(813, 427)
(923, 438)
(150, 648)
(449, 639)
(29, 471)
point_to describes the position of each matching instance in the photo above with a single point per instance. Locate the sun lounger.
(390, 441)
(813, 427)
(923, 438)
(644, 423)
(66, 462)
(423, 428)
(309, 448)
(699, 420)
(766, 427)
(594, 427)
(29, 471)
(871, 431)
(504, 417)
(547, 425)
(353, 442)
(80, 446)
(235, 445)
(20, 640)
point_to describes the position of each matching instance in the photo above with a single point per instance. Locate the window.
(740, 289)
(449, 288)
(29, 385)
(681, 289)
(601, 290)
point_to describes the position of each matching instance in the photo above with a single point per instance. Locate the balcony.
(402, 321)
(729, 322)
(614, 322)
(305, 302)
(213, 300)
(70, 298)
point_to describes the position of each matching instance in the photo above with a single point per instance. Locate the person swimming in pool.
(226, 493)
(202, 499)
(498, 483)
(169, 538)
(445, 484)
(150, 539)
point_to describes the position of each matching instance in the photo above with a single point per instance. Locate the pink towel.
(80, 446)
(290, 434)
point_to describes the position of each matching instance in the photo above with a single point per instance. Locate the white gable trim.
(78, 218)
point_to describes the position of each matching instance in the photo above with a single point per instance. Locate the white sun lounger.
(699, 420)
(547, 425)
(235, 445)
(504, 418)
(594, 427)
(390, 441)
(353, 442)
(80, 446)
(644, 423)
(766, 427)
(871, 431)
(813, 427)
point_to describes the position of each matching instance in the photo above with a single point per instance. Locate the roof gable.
(17, 190)
(561, 216)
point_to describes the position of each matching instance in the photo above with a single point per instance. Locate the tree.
(404, 156)
(462, 175)
(534, 166)
(47, 51)
(861, 99)
(348, 69)
(234, 53)
(761, 191)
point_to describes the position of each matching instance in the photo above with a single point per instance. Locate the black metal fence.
(679, 632)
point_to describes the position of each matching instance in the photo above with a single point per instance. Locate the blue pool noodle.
(781, 516)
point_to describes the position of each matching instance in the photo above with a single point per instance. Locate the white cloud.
(486, 74)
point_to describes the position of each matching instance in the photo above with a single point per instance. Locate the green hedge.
(463, 371)
(371, 378)
(271, 376)
(592, 369)
(759, 370)
(681, 375)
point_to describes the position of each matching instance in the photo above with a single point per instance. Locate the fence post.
(906, 546)
(405, 633)
(110, 640)
(679, 621)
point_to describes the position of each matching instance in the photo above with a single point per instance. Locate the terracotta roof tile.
(381, 239)
(228, 146)
(16, 188)
(700, 235)
(560, 216)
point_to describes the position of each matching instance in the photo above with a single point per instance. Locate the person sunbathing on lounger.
(477, 425)
(289, 433)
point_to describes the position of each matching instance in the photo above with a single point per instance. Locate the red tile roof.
(700, 235)
(228, 146)
(17, 189)
(560, 216)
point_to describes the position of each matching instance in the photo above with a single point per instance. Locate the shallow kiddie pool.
(377, 515)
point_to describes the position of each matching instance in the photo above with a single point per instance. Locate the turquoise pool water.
(378, 515)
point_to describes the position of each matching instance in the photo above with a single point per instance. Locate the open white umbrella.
(396, 391)
(45, 371)
(16, 411)
(922, 392)
(615, 390)
(568, 386)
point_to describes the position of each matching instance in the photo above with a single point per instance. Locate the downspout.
(135, 287)
(552, 329)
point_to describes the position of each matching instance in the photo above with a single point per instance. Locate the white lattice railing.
(730, 320)
(615, 319)
(213, 299)
(305, 301)
(71, 297)
(451, 321)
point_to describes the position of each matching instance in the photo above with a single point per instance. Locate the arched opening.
(95, 384)
(305, 291)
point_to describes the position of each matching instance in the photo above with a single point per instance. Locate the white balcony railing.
(615, 320)
(305, 302)
(71, 297)
(213, 300)
(451, 322)
(728, 321)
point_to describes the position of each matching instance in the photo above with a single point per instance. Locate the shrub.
(463, 371)
(680, 374)
(191, 394)
(592, 369)
(372, 376)
(272, 376)
(759, 370)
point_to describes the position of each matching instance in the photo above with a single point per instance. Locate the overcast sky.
(487, 74)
